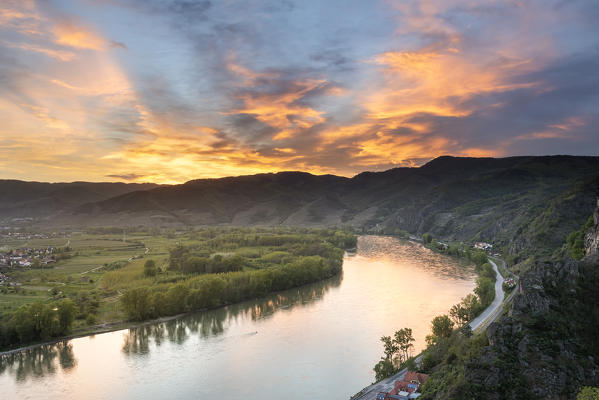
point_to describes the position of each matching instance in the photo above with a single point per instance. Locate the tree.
(150, 268)
(588, 393)
(136, 303)
(66, 315)
(390, 346)
(479, 257)
(403, 338)
(442, 326)
(465, 311)
(485, 290)
(383, 369)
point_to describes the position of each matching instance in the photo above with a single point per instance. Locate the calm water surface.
(319, 341)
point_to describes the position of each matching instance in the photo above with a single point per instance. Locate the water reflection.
(214, 322)
(390, 249)
(319, 341)
(39, 361)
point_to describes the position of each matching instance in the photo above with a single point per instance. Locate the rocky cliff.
(546, 347)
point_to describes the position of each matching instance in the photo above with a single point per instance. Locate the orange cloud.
(69, 34)
(281, 109)
(435, 83)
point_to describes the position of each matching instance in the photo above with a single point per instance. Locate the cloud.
(223, 88)
(126, 177)
(67, 33)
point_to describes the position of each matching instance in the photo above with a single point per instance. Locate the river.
(319, 341)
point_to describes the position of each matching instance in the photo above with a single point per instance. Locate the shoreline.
(120, 325)
(104, 328)
(481, 321)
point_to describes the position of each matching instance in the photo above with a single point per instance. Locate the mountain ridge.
(512, 202)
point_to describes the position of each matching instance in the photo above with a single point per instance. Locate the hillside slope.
(518, 203)
(19, 199)
(546, 347)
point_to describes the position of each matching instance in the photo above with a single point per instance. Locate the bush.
(427, 238)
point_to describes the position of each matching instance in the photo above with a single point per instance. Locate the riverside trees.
(237, 265)
(396, 353)
(37, 321)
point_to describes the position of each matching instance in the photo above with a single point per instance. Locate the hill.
(524, 205)
(38, 200)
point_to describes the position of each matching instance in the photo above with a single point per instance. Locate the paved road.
(487, 316)
(478, 321)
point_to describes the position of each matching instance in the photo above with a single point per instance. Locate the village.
(28, 257)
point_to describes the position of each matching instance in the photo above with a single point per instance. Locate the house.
(48, 260)
(406, 389)
(483, 246)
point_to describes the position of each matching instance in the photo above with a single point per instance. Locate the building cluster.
(509, 283)
(405, 389)
(26, 257)
(483, 246)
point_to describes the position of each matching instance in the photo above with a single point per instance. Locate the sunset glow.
(166, 92)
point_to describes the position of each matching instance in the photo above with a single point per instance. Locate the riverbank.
(478, 323)
(196, 351)
(120, 325)
(197, 270)
(103, 328)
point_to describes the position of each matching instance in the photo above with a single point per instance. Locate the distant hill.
(523, 204)
(19, 199)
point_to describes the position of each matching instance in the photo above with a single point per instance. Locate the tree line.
(213, 290)
(37, 321)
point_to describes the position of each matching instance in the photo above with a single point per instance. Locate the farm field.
(99, 271)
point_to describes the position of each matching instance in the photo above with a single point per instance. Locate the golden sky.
(166, 92)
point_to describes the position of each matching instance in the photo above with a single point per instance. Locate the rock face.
(547, 345)
(532, 353)
(592, 236)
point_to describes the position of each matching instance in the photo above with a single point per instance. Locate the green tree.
(441, 327)
(479, 257)
(485, 290)
(150, 268)
(465, 311)
(588, 393)
(137, 303)
(427, 238)
(404, 338)
(383, 369)
(390, 347)
(66, 315)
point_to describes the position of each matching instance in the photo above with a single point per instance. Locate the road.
(482, 321)
(495, 305)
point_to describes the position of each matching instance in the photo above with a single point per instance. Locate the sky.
(169, 91)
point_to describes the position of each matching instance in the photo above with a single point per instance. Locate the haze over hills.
(520, 202)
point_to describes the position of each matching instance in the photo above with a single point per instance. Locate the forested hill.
(520, 203)
(19, 199)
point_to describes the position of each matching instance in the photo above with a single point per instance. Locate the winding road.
(479, 323)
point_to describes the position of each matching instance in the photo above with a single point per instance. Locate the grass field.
(98, 269)
(87, 269)
(90, 255)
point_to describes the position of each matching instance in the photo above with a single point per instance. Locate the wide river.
(319, 341)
